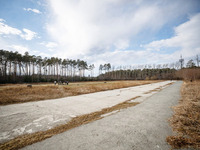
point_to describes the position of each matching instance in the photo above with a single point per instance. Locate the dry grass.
(189, 73)
(157, 89)
(186, 120)
(11, 94)
(29, 139)
(154, 90)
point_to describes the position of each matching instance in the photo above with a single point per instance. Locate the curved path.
(143, 126)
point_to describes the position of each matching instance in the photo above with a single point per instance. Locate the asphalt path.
(19, 119)
(144, 126)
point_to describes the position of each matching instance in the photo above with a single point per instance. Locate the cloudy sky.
(121, 32)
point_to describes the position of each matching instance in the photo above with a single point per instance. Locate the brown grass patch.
(154, 90)
(29, 139)
(157, 89)
(11, 94)
(186, 120)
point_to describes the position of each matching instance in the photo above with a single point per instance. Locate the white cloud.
(131, 57)
(49, 44)
(28, 35)
(83, 27)
(2, 20)
(91, 27)
(21, 49)
(5, 29)
(44, 54)
(3, 43)
(121, 44)
(102, 31)
(186, 38)
(33, 10)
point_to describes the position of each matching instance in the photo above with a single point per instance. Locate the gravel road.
(141, 127)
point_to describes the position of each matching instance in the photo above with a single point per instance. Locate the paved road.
(18, 119)
(141, 127)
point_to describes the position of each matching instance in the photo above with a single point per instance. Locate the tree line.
(175, 70)
(15, 67)
(139, 74)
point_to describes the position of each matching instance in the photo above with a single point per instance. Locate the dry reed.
(186, 120)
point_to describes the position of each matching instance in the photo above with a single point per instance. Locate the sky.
(120, 32)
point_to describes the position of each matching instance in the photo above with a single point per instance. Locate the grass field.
(20, 93)
(186, 119)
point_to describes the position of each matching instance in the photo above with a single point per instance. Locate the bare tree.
(181, 60)
(197, 59)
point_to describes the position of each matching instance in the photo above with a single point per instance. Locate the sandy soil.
(19, 119)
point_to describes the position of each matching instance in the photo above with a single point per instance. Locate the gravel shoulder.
(143, 126)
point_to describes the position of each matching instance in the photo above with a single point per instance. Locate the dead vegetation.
(186, 120)
(158, 89)
(29, 139)
(154, 90)
(189, 73)
(11, 94)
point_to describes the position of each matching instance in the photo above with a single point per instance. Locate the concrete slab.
(19, 119)
(142, 127)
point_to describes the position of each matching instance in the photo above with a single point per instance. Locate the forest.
(18, 68)
(15, 67)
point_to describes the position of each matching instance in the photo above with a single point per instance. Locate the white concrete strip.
(143, 127)
(18, 119)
